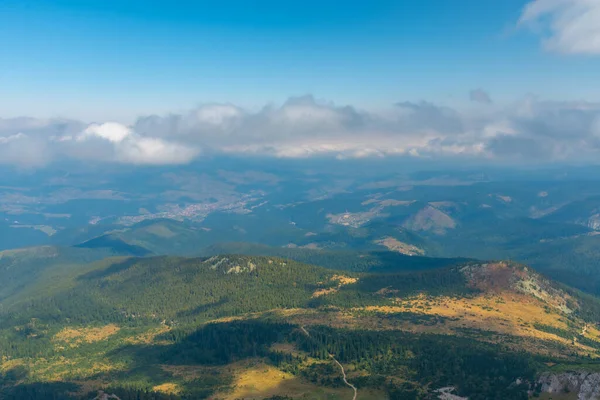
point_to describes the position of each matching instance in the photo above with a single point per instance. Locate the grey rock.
(585, 384)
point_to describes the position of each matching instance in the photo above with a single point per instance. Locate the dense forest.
(343, 260)
(135, 323)
(478, 370)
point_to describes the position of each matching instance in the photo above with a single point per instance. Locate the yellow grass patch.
(148, 337)
(592, 332)
(341, 281)
(63, 369)
(394, 244)
(76, 336)
(495, 278)
(260, 381)
(7, 364)
(324, 292)
(344, 280)
(257, 380)
(168, 388)
(505, 313)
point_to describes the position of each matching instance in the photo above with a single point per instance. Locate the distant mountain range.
(222, 285)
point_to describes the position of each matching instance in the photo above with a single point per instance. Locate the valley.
(295, 285)
(544, 219)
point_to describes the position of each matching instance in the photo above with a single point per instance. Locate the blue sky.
(115, 60)
(159, 82)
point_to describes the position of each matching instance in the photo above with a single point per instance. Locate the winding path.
(345, 380)
(303, 329)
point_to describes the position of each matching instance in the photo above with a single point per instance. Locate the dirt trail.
(345, 380)
(303, 329)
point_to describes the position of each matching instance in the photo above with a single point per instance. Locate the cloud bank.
(567, 26)
(529, 130)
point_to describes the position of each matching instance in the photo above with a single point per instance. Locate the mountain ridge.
(111, 317)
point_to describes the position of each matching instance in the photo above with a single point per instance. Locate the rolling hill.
(257, 327)
(347, 260)
(584, 212)
(113, 243)
(20, 269)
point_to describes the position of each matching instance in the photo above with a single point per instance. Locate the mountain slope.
(21, 269)
(432, 220)
(113, 243)
(347, 260)
(203, 327)
(582, 212)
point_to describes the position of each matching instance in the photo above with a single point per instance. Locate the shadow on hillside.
(112, 269)
(203, 354)
(12, 388)
(211, 345)
(392, 262)
(115, 245)
(203, 308)
(441, 281)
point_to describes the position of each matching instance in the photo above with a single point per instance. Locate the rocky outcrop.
(594, 222)
(105, 396)
(446, 393)
(585, 384)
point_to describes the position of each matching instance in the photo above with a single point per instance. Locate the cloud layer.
(29, 142)
(567, 26)
(529, 130)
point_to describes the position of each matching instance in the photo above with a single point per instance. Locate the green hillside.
(564, 250)
(20, 269)
(113, 243)
(347, 260)
(259, 327)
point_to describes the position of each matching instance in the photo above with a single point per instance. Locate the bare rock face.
(585, 384)
(446, 393)
(594, 222)
(105, 396)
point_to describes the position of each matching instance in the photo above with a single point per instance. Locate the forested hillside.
(347, 260)
(259, 327)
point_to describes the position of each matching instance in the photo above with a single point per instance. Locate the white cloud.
(12, 138)
(567, 26)
(155, 151)
(23, 150)
(111, 131)
(527, 130)
(217, 114)
(29, 142)
(129, 147)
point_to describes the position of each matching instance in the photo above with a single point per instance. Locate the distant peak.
(506, 276)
